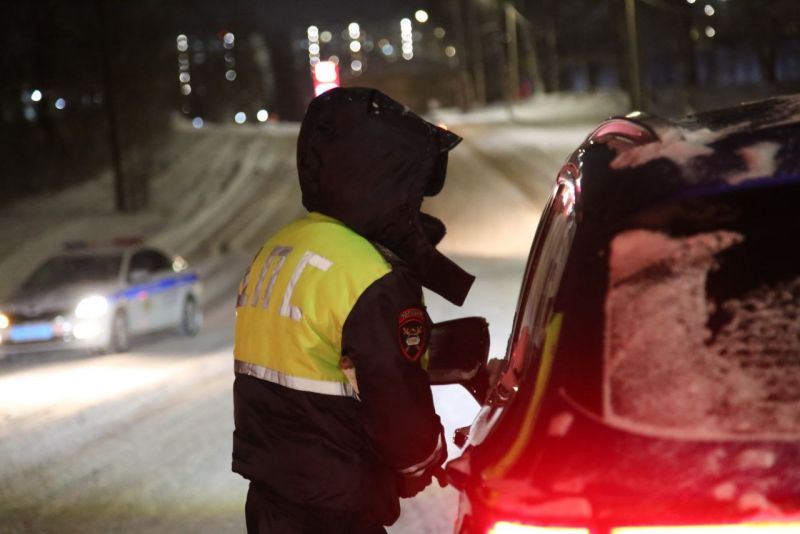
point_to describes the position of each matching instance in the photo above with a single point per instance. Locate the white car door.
(167, 291)
(144, 309)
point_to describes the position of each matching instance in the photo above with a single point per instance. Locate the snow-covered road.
(140, 442)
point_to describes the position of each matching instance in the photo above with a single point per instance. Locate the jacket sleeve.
(395, 391)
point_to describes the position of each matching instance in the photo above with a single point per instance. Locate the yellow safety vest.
(294, 299)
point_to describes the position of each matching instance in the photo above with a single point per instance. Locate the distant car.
(652, 380)
(96, 296)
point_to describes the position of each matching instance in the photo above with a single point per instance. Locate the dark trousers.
(267, 514)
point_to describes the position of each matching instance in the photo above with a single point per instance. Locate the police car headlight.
(5, 322)
(91, 307)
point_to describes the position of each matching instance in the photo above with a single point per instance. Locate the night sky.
(272, 15)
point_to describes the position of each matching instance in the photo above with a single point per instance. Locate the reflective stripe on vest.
(293, 302)
(294, 382)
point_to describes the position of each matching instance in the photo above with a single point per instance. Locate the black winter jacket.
(339, 455)
(366, 160)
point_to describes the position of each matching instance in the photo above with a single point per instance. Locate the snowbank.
(553, 108)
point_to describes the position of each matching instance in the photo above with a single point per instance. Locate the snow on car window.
(760, 160)
(677, 144)
(668, 372)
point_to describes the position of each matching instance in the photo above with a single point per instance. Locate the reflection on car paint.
(552, 331)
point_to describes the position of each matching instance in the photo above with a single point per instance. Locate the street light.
(421, 16)
(407, 39)
(354, 30)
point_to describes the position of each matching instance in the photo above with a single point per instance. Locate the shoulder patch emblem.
(412, 333)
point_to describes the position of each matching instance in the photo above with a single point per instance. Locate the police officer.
(332, 405)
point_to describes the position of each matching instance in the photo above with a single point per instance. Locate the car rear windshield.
(62, 270)
(702, 321)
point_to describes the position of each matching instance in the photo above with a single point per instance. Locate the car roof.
(630, 163)
(95, 251)
(120, 245)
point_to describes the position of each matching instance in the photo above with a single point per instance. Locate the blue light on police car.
(91, 307)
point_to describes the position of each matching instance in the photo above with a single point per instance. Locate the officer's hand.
(408, 486)
(494, 370)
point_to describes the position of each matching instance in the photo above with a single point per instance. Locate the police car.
(97, 295)
(652, 379)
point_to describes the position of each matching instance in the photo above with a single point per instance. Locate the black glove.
(410, 485)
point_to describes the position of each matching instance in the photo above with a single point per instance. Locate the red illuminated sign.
(326, 76)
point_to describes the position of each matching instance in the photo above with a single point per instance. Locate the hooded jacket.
(368, 161)
(365, 163)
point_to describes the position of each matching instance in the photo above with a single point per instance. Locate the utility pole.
(122, 193)
(634, 77)
(554, 66)
(512, 51)
(466, 85)
(532, 56)
(476, 48)
(523, 34)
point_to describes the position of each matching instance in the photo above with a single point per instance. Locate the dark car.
(652, 380)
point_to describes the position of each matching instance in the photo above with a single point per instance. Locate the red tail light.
(743, 528)
(505, 527)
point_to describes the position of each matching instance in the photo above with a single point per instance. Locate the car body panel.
(544, 449)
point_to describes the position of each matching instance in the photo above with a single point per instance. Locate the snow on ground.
(141, 443)
(548, 109)
(211, 180)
